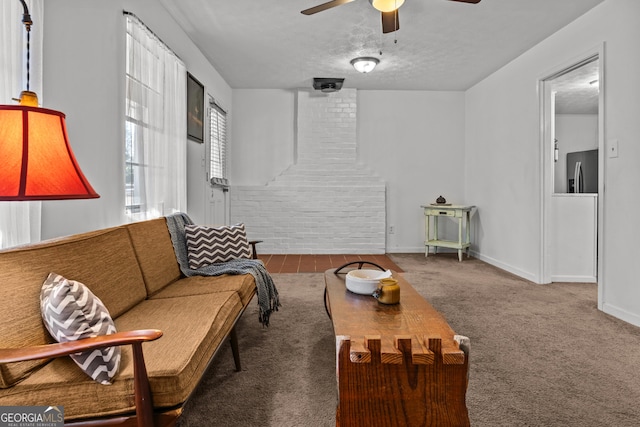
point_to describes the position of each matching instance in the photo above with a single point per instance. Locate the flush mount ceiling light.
(386, 5)
(365, 64)
(37, 161)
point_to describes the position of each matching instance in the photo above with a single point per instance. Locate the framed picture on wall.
(195, 109)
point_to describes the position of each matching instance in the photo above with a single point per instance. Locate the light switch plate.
(612, 148)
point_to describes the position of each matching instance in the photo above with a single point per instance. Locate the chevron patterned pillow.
(210, 245)
(71, 312)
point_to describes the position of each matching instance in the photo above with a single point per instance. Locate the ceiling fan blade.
(325, 6)
(390, 21)
(468, 1)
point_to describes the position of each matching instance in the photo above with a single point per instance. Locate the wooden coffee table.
(396, 365)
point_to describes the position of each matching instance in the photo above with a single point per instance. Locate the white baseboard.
(506, 267)
(406, 250)
(418, 250)
(621, 314)
(574, 279)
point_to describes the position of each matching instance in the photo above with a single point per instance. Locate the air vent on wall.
(327, 84)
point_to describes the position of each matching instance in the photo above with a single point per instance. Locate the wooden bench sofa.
(169, 327)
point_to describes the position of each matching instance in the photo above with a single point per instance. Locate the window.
(218, 145)
(155, 128)
(20, 222)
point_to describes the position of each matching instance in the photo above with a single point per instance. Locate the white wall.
(573, 238)
(263, 135)
(503, 152)
(414, 140)
(84, 55)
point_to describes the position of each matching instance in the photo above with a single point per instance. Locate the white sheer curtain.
(156, 130)
(19, 221)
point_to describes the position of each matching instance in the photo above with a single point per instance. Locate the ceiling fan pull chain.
(395, 33)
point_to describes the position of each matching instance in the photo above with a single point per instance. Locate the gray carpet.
(541, 355)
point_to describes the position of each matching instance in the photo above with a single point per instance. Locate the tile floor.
(320, 263)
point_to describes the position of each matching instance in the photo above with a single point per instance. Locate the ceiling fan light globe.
(386, 5)
(365, 64)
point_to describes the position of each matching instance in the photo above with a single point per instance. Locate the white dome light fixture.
(386, 5)
(365, 64)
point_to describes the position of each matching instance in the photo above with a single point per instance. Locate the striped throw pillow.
(72, 312)
(210, 245)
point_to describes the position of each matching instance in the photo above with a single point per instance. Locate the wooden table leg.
(394, 390)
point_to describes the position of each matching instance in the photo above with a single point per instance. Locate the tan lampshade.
(36, 161)
(386, 5)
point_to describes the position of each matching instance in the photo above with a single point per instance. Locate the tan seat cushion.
(175, 363)
(244, 285)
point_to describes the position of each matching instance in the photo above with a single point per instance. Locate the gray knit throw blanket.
(268, 300)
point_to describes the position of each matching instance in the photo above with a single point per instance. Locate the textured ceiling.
(577, 91)
(441, 45)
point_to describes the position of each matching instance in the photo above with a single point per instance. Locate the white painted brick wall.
(325, 203)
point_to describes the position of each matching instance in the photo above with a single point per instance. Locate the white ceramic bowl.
(365, 282)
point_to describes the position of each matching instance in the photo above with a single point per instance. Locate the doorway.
(572, 165)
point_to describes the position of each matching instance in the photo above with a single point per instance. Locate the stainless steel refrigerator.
(582, 172)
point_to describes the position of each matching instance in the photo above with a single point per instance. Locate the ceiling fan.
(388, 9)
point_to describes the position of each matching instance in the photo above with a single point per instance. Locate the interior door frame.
(546, 162)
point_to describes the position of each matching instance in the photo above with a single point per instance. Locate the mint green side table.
(462, 213)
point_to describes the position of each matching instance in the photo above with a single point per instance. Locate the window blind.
(218, 145)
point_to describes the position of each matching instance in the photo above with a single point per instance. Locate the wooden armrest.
(142, 390)
(253, 244)
(47, 351)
